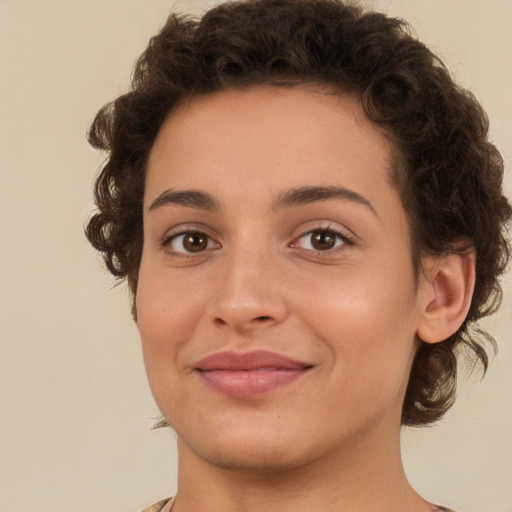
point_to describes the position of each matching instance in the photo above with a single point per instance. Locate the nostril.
(261, 318)
(256, 320)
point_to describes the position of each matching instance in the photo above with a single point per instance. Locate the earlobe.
(448, 288)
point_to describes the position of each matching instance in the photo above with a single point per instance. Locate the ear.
(446, 292)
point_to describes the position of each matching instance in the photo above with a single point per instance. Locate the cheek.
(366, 318)
(166, 305)
(167, 313)
(371, 349)
(359, 299)
(165, 318)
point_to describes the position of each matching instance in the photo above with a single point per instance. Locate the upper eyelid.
(325, 225)
(166, 245)
(186, 227)
(345, 237)
(302, 230)
(170, 236)
(181, 230)
(188, 232)
(329, 227)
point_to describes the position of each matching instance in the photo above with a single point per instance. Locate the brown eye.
(191, 242)
(195, 242)
(321, 240)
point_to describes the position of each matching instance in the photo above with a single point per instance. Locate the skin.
(330, 439)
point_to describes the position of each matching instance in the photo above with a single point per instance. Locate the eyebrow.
(190, 198)
(306, 195)
(293, 197)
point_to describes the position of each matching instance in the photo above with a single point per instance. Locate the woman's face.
(276, 299)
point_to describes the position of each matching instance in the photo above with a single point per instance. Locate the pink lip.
(250, 374)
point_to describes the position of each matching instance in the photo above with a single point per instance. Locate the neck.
(359, 477)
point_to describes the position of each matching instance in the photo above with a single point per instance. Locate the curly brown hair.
(448, 174)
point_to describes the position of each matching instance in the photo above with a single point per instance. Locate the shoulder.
(157, 507)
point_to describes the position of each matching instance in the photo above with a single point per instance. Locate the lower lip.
(249, 383)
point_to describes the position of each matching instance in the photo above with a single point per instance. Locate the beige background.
(76, 411)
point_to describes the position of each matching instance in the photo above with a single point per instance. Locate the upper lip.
(254, 360)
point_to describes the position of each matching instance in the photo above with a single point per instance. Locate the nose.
(250, 293)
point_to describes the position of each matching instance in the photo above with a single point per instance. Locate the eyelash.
(344, 237)
(167, 243)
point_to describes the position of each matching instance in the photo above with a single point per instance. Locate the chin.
(251, 459)
(253, 451)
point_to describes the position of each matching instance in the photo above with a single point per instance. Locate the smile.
(251, 374)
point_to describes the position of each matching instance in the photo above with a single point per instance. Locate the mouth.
(249, 374)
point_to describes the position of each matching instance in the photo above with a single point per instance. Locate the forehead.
(265, 139)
